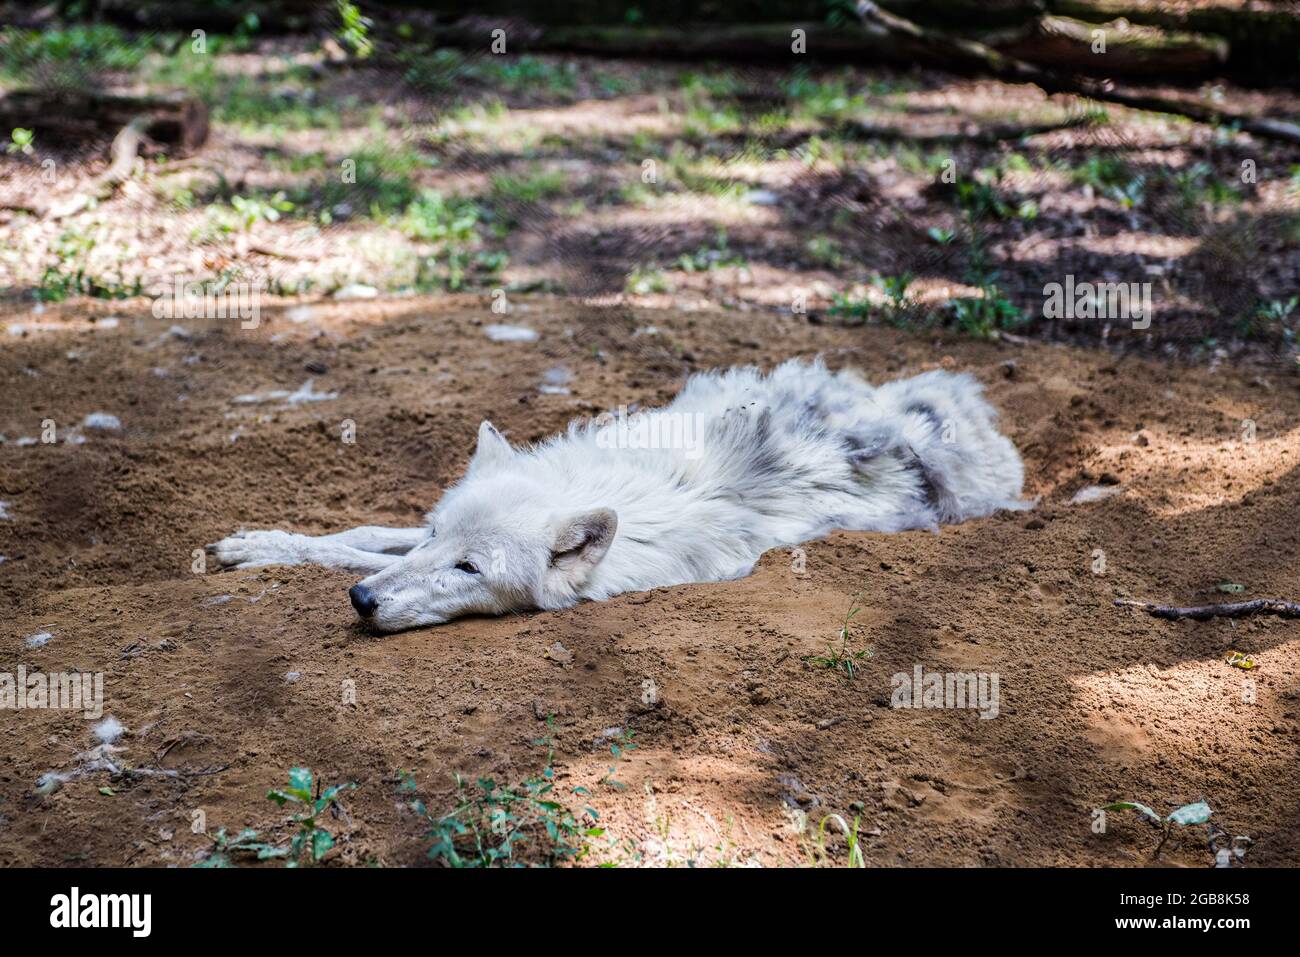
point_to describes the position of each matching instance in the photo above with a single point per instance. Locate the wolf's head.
(499, 541)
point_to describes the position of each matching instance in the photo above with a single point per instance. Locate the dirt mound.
(1184, 479)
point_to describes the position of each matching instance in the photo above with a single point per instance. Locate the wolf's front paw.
(250, 549)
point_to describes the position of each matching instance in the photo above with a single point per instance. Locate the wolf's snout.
(363, 600)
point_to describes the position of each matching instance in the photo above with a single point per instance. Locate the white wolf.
(740, 462)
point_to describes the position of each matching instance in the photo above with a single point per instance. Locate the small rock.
(1093, 493)
(760, 696)
(102, 421)
(1034, 524)
(356, 291)
(498, 332)
(559, 654)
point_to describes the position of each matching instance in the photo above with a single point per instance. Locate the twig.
(122, 156)
(265, 250)
(1237, 609)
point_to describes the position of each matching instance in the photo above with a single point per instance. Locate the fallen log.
(1115, 48)
(755, 42)
(1262, 35)
(1236, 609)
(177, 121)
(975, 56)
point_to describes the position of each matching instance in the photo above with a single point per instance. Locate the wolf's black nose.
(363, 601)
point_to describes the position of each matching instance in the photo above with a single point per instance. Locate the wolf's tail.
(943, 423)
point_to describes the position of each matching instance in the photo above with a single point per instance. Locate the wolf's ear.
(492, 449)
(582, 540)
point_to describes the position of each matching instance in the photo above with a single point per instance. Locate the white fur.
(744, 462)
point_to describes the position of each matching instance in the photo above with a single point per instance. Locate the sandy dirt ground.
(738, 737)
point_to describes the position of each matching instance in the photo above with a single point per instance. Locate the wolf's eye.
(468, 567)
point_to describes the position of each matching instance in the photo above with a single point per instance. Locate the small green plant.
(491, 821)
(855, 858)
(841, 660)
(67, 57)
(245, 842)
(1111, 176)
(20, 141)
(717, 256)
(70, 274)
(1270, 317)
(979, 198)
(354, 30)
(989, 312)
(983, 315)
(823, 251)
(313, 839)
(1103, 172)
(646, 280)
(1277, 310)
(530, 188)
(251, 210)
(898, 310)
(1198, 813)
(1197, 185)
(854, 308)
(619, 747)
(895, 289)
(432, 218)
(822, 100)
(449, 226)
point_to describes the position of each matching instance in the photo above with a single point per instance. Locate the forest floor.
(780, 214)
(735, 733)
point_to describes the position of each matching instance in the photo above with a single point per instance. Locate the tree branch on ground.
(1238, 609)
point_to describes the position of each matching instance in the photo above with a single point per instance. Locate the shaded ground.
(778, 188)
(251, 669)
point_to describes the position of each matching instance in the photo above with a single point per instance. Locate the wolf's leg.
(376, 538)
(367, 549)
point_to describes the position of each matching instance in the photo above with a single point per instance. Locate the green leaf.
(1231, 587)
(330, 793)
(1133, 806)
(300, 780)
(1197, 813)
(321, 842)
(107, 791)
